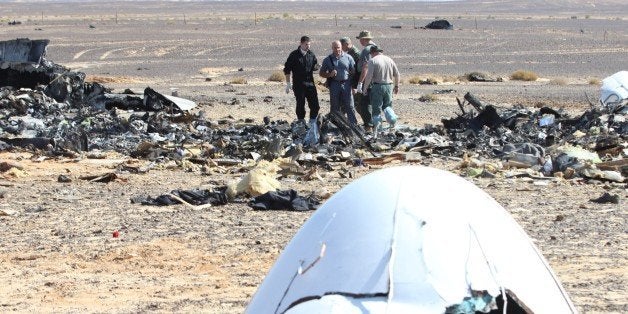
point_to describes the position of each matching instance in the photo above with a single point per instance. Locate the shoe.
(391, 117)
(376, 126)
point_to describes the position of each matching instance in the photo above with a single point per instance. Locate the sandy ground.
(58, 254)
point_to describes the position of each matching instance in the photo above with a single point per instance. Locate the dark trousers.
(363, 107)
(302, 92)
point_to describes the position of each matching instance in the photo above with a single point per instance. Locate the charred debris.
(52, 110)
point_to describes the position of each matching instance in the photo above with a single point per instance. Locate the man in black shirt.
(302, 63)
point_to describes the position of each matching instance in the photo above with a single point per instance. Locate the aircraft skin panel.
(407, 239)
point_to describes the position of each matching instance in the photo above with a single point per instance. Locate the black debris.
(439, 24)
(284, 200)
(195, 197)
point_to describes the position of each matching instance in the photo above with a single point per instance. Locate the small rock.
(568, 173)
(606, 198)
(8, 165)
(8, 212)
(64, 178)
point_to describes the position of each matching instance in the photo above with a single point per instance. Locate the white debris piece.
(408, 240)
(614, 88)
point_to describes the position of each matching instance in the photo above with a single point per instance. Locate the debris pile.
(592, 145)
(50, 109)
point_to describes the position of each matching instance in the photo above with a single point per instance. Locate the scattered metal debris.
(51, 110)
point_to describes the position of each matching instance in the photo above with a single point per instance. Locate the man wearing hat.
(364, 108)
(383, 76)
(302, 63)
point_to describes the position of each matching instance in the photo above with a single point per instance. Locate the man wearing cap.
(364, 107)
(302, 63)
(383, 76)
(339, 68)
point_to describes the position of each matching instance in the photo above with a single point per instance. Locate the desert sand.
(58, 253)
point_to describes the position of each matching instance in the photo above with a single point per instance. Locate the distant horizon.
(33, 1)
(26, 1)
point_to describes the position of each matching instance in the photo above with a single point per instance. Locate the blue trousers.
(341, 99)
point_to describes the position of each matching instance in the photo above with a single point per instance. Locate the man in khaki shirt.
(383, 76)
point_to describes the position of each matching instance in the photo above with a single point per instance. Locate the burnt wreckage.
(50, 108)
(47, 106)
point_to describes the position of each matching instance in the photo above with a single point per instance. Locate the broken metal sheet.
(149, 101)
(579, 153)
(23, 50)
(157, 102)
(606, 175)
(614, 88)
(182, 103)
(620, 165)
(23, 64)
(396, 241)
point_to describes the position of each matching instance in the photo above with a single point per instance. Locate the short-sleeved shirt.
(365, 56)
(382, 70)
(343, 64)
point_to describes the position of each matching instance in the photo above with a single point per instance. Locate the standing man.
(350, 49)
(302, 63)
(339, 67)
(384, 76)
(364, 107)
